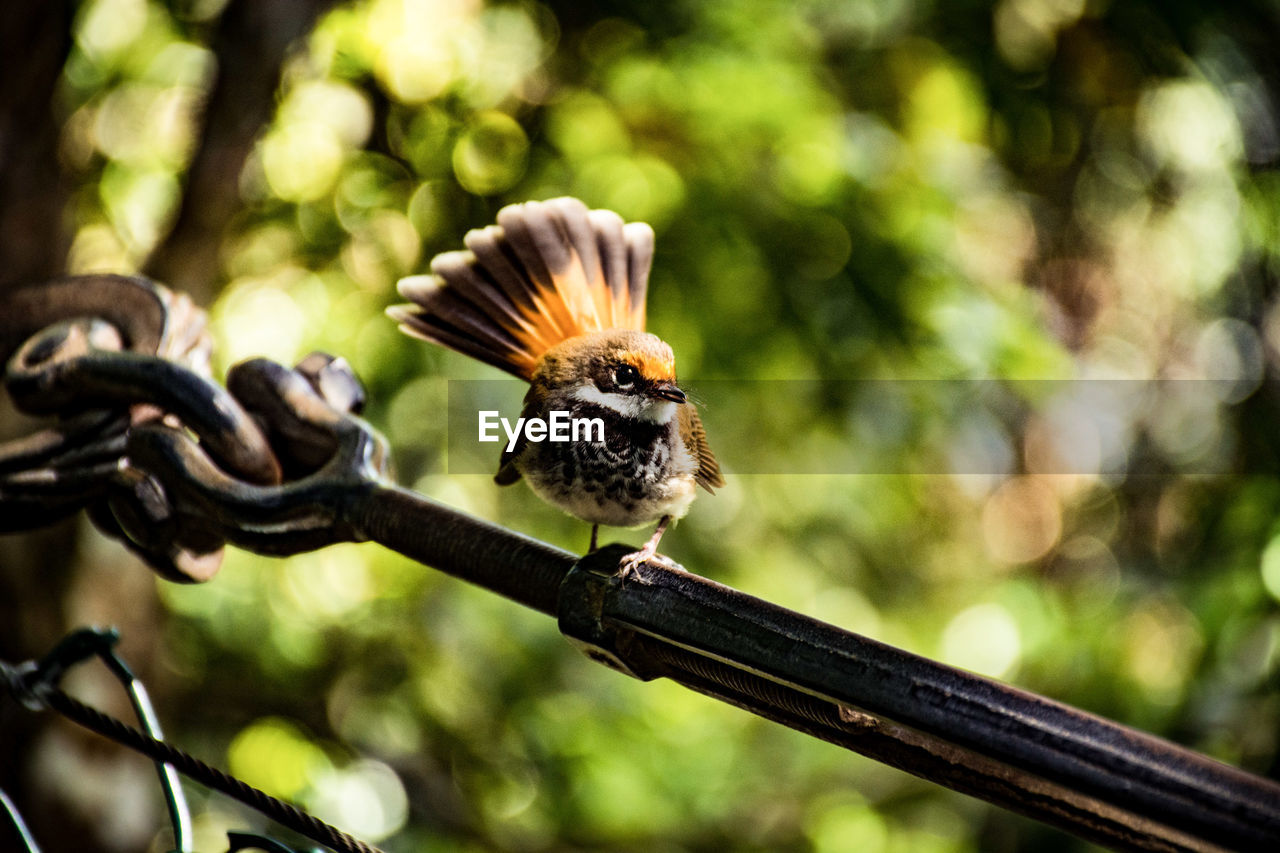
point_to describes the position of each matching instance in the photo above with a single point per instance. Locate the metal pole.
(508, 563)
(1086, 774)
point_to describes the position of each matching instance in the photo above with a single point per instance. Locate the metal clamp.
(162, 457)
(586, 596)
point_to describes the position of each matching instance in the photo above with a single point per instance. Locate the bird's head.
(631, 372)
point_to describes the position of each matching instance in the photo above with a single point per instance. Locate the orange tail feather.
(548, 271)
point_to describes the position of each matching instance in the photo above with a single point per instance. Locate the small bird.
(554, 293)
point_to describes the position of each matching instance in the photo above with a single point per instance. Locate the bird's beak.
(668, 391)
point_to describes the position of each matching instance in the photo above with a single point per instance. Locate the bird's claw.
(631, 562)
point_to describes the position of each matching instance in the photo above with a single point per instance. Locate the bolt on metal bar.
(1088, 775)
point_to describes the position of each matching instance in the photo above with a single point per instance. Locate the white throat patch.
(628, 405)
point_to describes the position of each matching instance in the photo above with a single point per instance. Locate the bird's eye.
(625, 376)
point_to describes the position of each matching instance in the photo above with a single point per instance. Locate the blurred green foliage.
(1027, 189)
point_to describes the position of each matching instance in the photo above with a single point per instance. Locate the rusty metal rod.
(513, 565)
(1088, 775)
(931, 757)
(1084, 773)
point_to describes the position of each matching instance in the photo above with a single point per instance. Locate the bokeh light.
(981, 303)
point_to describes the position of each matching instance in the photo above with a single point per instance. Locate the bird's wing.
(695, 438)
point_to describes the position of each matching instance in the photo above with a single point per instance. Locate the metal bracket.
(584, 597)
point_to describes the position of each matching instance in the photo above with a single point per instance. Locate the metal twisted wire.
(284, 814)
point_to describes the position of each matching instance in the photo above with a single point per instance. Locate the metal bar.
(930, 757)
(1088, 775)
(1083, 773)
(1092, 776)
(516, 566)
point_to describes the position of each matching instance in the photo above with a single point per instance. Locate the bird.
(554, 293)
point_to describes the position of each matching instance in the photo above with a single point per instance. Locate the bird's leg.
(649, 552)
(595, 528)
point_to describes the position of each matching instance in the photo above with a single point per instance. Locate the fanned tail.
(548, 271)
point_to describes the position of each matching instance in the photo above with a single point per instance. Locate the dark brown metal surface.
(1096, 778)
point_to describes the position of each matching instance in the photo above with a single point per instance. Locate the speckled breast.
(637, 474)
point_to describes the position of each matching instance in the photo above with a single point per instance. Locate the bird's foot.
(631, 562)
(648, 554)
